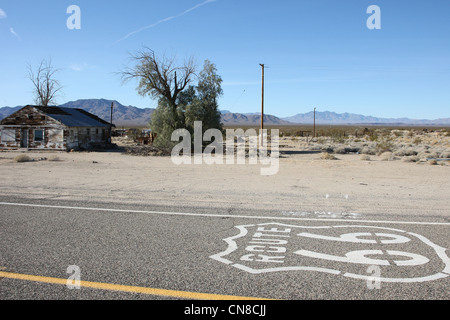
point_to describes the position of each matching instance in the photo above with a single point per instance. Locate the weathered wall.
(92, 136)
(24, 137)
(30, 128)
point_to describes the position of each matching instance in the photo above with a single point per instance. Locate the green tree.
(159, 78)
(205, 107)
(180, 104)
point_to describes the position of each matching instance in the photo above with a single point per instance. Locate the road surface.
(62, 249)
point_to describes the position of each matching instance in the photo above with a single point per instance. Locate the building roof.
(73, 117)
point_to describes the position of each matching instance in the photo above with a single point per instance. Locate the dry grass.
(410, 144)
(22, 158)
(327, 156)
(387, 156)
(340, 150)
(410, 159)
(364, 157)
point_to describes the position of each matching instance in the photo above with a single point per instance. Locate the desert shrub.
(327, 149)
(22, 158)
(321, 140)
(435, 142)
(406, 152)
(334, 132)
(432, 162)
(340, 150)
(384, 145)
(286, 132)
(433, 154)
(372, 135)
(368, 150)
(410, 159)
(424, 155)
(327, 156)
(445, 154)
(364, 157)
(410, 152)
(387, 156)
(385, 132)
(417, 140)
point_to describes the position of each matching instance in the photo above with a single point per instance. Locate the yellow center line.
(125, 288)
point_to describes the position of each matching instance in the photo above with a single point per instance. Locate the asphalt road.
(134, 252)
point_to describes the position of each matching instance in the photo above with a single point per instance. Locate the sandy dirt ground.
(306, 185)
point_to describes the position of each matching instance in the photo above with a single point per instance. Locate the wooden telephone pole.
(262, 103)
(314, 133)
(110, 130)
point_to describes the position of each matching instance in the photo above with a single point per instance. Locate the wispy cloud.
(166, 19)
(14, 33)
(81, 67)
(2, 14)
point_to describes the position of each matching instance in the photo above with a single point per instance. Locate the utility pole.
(314, 132)
(110, 130)
(262, 104)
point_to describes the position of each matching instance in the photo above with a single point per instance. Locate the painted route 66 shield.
(343, 250)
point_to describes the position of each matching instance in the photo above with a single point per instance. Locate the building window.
(38, 135)
(8, 135)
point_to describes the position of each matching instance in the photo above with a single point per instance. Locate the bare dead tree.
(158, 77)
(46, 87)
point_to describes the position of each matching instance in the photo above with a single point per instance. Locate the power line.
(262, 103)
(236, 101)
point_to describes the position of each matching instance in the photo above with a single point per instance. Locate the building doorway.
(24, 140)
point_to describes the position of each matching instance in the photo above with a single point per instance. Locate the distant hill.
(327, 117)
(132, 116)
(6, 111)
(128, 116)
(251, 119)
(122, 115)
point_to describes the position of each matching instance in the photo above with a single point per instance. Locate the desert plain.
(396, 174)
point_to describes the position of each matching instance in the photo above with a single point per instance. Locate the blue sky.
(318, 53)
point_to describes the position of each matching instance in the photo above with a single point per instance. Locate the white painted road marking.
(354, 237)
(359, 256)
(223, 215)
(271, 247)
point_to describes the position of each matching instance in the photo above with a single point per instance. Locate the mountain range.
(126, 116)
(123, 116)
(329, 118)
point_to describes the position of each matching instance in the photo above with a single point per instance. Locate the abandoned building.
(53, 128)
